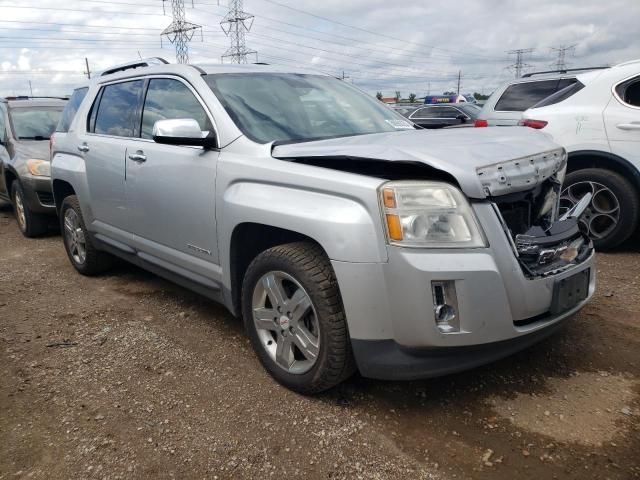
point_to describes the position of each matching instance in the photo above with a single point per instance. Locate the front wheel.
(84, 256)
(31, 224)
(612, 215)
(294, 317)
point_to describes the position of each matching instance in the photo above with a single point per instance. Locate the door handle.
(629, 126)
(83, 148)
(139, 156)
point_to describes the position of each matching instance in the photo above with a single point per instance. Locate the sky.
(419, 47)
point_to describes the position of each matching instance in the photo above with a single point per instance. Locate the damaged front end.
(544, 243)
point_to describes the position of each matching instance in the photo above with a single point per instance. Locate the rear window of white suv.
(522, 96)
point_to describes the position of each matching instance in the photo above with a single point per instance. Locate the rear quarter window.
(629, 92)
(71, 109)
(522, 96)
(560, 95)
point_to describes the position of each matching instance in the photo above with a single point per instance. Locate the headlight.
(39, 168)
(430, 215)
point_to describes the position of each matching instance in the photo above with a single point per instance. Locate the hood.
(32, 149)
(484, 161)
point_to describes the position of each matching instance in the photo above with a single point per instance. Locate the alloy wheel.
(286, 322)
(20, 214)
(603, 213)
(75, 236)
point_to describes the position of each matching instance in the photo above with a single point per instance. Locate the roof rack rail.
(28, 97)
(630, 62)
(146, 62)
(260, 63)
(566, 70)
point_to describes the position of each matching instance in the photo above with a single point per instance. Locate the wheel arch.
(10, 175)
(61, 190)
(248, 240)
(579, 160)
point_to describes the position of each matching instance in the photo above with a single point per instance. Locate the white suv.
(597, 120)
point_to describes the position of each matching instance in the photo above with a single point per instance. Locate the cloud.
(413, 47)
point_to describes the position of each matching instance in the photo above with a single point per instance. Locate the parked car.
(439, 116)
(344, 236)
(505, 106)
(26, 124)
(597, 120)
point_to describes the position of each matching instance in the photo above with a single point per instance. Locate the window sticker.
(400, 124)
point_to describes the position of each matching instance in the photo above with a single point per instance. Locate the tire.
(31, 224)
(299, 269)
(602, 229)
(87, 259)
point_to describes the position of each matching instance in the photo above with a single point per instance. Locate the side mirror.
(462, 118)
(182, 131)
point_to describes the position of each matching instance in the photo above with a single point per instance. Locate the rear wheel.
(612, 214)
(31, 224)
(294, 317)
(81, 252)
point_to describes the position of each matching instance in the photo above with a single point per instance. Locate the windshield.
(34, 123)
(294, 107)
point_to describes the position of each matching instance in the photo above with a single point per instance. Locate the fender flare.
(589, 158)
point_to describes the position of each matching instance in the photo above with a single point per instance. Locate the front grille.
(45, 198)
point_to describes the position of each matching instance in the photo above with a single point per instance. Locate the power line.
(119, 12)
(519, 64)
(368, 31)
(561, 62)
(354, 42)
(235, 24)
(180, 32)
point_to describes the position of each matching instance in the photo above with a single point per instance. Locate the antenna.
(519, 64)
(180, 32)
(235, 24)
(561, 63)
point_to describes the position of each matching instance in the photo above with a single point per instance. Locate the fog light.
(445, 306)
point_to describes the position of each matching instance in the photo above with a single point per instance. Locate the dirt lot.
(128, 376)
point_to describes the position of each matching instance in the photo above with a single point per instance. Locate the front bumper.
(38, 193)
(390, 311)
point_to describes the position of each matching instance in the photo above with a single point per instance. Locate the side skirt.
(211, 292)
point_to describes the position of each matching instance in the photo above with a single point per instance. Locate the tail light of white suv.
(537, 124)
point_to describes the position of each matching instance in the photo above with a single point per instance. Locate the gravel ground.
(129, 376)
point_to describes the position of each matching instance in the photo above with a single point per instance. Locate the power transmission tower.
(180, 32)
(561, 62)
(235, 24)
(519, 64)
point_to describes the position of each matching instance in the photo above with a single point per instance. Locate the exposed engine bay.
(544, 242)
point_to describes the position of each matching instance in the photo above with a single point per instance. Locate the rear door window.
(521, 96)
(170, 99)
(422, 113)
(118, 109)
(71, 108)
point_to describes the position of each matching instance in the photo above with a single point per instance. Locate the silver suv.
(344, 236)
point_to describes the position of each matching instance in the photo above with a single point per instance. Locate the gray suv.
(26, 124)
(343, 236)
